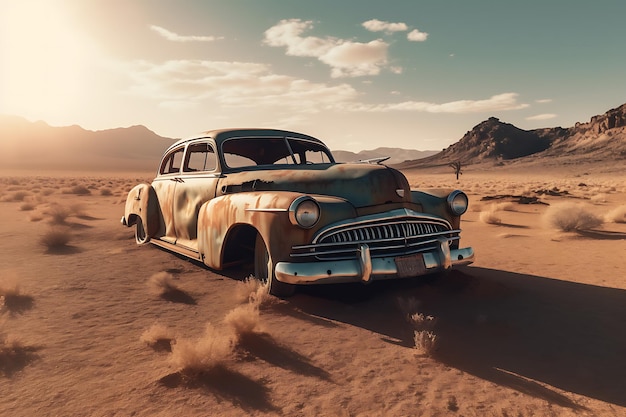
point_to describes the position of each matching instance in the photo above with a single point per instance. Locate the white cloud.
(416, 36)
(174, 37)
(499, 102)
(544, 100)
(376, 25)
(288, 33)
(185, 83)
(346, 58)
(354, 59)
(545, 116)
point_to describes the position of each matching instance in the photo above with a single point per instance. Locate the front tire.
(264, 271)
(141, 237)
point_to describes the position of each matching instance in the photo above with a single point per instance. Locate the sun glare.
(44, 60)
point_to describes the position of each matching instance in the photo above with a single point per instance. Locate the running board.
(182, 250)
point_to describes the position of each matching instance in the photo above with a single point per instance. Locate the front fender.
(433, 201)
(142, 202)
(268, 213)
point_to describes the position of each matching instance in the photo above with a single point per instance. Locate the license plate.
(410, 266)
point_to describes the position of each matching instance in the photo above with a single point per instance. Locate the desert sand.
(94, 325)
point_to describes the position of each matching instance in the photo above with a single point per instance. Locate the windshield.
(245, 152)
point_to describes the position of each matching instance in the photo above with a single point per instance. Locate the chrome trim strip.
(390, 239)
(269, 210)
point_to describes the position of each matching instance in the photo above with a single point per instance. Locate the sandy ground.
(534, 328)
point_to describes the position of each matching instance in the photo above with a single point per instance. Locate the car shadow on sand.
(516, 330)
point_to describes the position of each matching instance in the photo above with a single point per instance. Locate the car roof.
(220, 135)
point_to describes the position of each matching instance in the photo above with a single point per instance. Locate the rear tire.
(264, 271)
(141, 237)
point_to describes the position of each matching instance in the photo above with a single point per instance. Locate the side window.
(313, 157)
(200, 157)
(172, 162)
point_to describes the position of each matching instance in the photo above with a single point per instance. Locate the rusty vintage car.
(278, 201)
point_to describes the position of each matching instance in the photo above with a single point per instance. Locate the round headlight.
(304, 212)
(457, 202)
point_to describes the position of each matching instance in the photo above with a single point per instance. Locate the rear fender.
(142, 202)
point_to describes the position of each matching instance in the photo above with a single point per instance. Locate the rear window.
(172, 162)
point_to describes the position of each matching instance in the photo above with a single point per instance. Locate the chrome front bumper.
(365, 268)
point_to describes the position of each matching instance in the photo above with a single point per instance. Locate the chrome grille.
(391, 237)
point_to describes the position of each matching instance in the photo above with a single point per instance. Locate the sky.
(358, 74)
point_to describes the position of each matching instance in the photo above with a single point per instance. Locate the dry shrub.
(211, 350)
(36, 217)
(157, 336)
(19, 196)
(57, 213)
(10, 349)
(420, 321)
(425, 341)
(251, 290)
(106, 192)
(490, 216)
(27, 206)
(243, 320)
(77, 189)
(12, 299)
(9, 288)
(162, 283)
(617, 215)
(570, 217)
(56, 237)
(423, 326)
(506, 206)
(423, 335)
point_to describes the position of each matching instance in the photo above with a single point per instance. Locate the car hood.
(361, 184)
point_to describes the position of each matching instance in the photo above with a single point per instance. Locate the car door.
(164, 186)
(195, 185)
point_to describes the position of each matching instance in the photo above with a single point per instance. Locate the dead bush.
(57, 214)
(490, 216)
(162, 283)
(251, 290)
(158, 337)
(243, 320)
(27, 206)
(56, 237)
(77, 189)
(617, 215)
(211, 350)
(569, 217)
(425, 341)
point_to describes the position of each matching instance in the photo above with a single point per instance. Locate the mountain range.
(602, 138)
(40, 147)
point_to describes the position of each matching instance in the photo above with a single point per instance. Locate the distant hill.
(604, 136)
(396, 155)
(38, 146)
